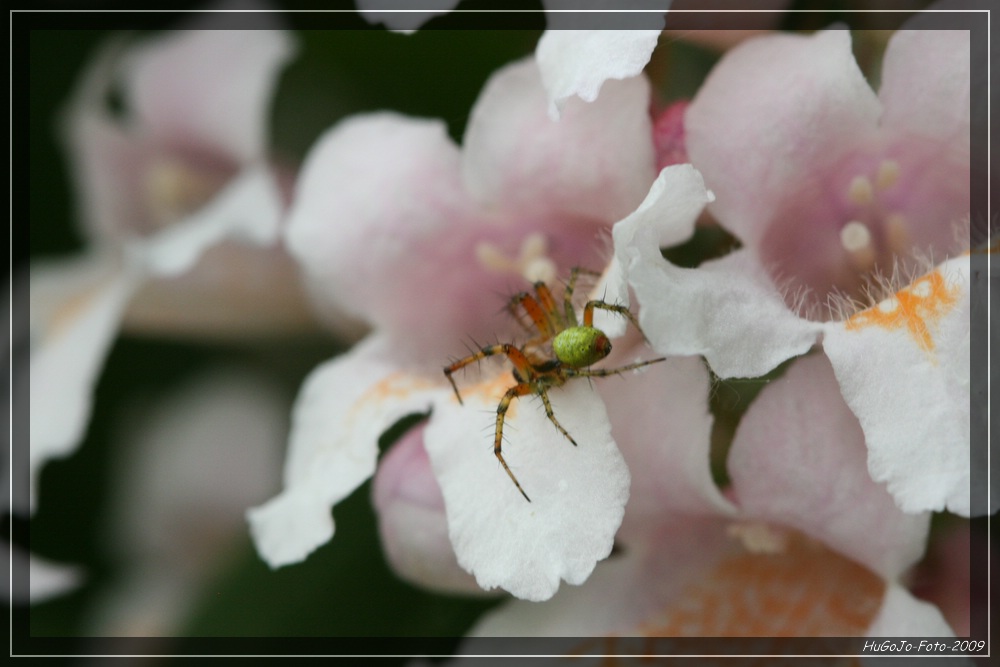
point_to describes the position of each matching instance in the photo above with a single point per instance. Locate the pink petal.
(798, 459)
(662, 425)
(380, 257)
(625, 591)
(343, 408)
(903, 368)
(209, 88)
(788, 106)
(411, 519)
(579, 62)
(107, 164)
(595, 164)
(578, 494)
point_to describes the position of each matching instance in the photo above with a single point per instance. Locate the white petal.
(390, 13)
(727, 310)
(578, 62)
(578, 494)
(903, 368)
(65, 362)
(249, 208)
(902, 615)
(42, 578)
(665, 217)
(344, 406)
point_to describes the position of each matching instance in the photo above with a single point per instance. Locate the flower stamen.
(887, 174)
(532, 263)
(860, 191)
(856, 239)
(759, 537)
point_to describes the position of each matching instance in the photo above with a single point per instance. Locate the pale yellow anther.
(897, 233)
(759, 537)
(490, 257)
(860, 191)
(887, 174)
(532, 262)
(173, 190)
(856, 239)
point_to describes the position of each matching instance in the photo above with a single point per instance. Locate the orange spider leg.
(537, 313)
(515, 355)
(548, 304)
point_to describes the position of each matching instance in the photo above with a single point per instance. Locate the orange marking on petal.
(396, 386)
(914, 308)
(69, 312)
(806, 591)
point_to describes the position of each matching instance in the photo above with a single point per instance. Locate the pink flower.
(808, 545)
(398, 226)
(181, 208)
(827, 186)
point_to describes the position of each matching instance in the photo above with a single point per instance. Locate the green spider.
(562, 350)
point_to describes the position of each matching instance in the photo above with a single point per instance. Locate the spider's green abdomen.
(581, 346)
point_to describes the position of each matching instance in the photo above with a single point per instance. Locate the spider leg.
(515, 355)
(552, 416)
(568, 292)
(604, 372)
(535, 310)
(517, 390)
(588, 315)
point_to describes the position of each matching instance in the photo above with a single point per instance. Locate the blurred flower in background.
(164, 185)
(187, 467)
(698, 502)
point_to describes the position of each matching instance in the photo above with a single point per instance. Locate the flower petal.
(38, 579)
(249, 208)
(66, 355)
(624, 592)
(594, 164)
(390, 13)
(578, 494)
(902, 615)
(353, 240)
(727, 310)
(579, 62)
(411, 519)
(342, 409)
(786, 105)
(798, 459)
(903, 368)
(931, 66)
(208, 87)
(662, 425)
(107, 165)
